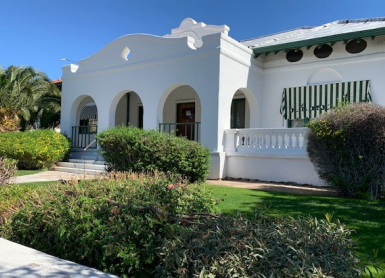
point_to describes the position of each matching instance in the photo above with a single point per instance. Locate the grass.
(366, 218)
(27, 172)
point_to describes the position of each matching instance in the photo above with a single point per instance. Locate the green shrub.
(134, 149)
(347, 148)
(7, 170)
(114, 224)
(237, 247)
(34, 149)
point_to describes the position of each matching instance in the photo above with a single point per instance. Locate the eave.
(332, 39)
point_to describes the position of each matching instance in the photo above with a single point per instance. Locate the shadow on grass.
(366, 218)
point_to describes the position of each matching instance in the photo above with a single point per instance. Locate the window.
(294, 55)
(238, 113)
(297, 123)
(88, 126)
(356, 46)
(323, 51)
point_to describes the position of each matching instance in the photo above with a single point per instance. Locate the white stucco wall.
(340, 66)
(210, 69)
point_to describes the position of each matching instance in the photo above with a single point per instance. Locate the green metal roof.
(318, 41)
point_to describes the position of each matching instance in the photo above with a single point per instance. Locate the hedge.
(34, 149)
(347, 148)
(138, 150)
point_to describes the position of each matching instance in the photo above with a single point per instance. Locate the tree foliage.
(347, 148)
(31, 94)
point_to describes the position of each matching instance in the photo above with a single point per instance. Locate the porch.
(277, 155)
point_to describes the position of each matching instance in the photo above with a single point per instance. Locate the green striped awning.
(308, 102)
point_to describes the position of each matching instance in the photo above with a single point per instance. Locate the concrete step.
(82, 165)
(90, 154)
(89, 161)
(78, 171)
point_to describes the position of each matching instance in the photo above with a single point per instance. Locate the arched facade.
(200, 83)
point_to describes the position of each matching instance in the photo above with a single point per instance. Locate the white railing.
(268, 139)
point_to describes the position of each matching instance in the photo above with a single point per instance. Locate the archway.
(181, 113)
(129, 110)
(241, 110)
(84, 122)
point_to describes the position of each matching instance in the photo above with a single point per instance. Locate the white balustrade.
(274, 139)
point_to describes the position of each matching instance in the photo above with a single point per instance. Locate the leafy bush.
(134, 149)
(114, 224)
(9, 121)
(34, 149)
(7, 170)
(347, 148)
(12, 198)
(237, 247)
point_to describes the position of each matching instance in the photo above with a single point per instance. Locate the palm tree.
(30, 93)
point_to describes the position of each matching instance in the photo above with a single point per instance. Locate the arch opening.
(181, 113)
(84, 123)
(240, 111)
(129, 110)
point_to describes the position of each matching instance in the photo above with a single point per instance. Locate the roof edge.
(317, 41)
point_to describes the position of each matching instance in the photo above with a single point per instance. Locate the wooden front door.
(186, 120)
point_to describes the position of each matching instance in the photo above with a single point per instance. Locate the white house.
(247, 101)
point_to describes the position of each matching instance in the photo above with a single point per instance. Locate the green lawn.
(366, 218)
(26, 172)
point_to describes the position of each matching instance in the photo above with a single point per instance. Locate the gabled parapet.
(190, 28)
(190, 38)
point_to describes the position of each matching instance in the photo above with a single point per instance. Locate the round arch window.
(323, 51)
(356, 46)
(294, 55)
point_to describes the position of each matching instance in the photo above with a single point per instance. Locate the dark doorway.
(186, 120)
(140, 117)
(238, 113)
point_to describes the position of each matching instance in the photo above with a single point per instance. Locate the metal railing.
(83, 136)
(189, 130)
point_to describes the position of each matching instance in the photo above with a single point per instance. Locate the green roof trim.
(319, 41)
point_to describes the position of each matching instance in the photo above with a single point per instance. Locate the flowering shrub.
(115, 224)
(134, 149)
(34, 149)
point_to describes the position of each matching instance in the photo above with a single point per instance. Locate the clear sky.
(38, 33)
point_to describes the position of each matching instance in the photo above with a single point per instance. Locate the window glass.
(294, 55)
(297, 123)
(356, 46)
(323, 51)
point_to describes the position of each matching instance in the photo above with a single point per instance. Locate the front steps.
(83, 167)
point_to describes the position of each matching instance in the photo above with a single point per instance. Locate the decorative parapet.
(190, 28)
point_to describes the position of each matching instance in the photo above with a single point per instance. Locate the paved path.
(265, 186)
(18, 261)
(50, 176)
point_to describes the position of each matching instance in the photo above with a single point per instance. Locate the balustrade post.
(231, 139)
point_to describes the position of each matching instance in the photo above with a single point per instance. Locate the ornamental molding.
(196, 30)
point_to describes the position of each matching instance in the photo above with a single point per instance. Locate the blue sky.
(38, 33)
